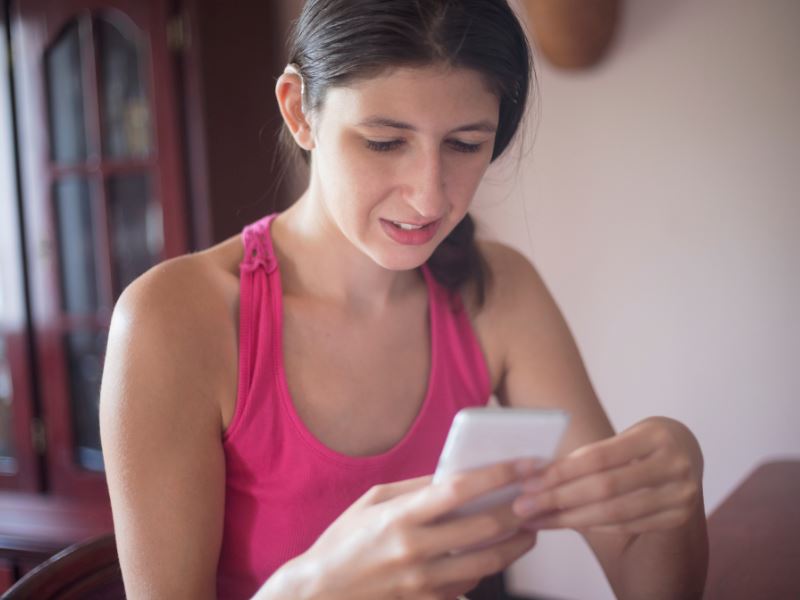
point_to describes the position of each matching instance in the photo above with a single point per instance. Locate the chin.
(401, 261)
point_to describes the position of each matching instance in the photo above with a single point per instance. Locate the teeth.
(407, 227)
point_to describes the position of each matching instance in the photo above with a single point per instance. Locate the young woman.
(272, 408)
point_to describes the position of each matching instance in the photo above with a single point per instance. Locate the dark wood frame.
(37, 526)
(26, 477)
(44, 20)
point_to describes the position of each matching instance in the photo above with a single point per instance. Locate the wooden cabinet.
(131, 131)
(230, 65)
(103, 198)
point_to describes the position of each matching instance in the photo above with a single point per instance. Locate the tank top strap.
(459, 341)
(258, 248)
(259, 314)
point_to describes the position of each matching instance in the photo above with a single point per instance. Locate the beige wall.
(661, 203)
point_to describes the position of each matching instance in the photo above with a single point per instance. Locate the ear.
(289, 92)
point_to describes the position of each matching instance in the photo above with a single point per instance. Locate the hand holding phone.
(483, 436)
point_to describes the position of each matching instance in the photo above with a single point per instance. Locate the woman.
(272, 408)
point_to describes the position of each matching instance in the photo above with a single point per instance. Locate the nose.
(427, 185)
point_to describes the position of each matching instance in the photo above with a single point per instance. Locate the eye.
(384, 146)
(460, 146)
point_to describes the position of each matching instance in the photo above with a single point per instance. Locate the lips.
(409, 232)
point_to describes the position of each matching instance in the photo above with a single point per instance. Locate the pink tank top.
(283, 487)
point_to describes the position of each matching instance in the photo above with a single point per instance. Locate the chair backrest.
(90, 571)
(86, 571)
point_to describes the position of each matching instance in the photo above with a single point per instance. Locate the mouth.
(411, 233)
(404, 226)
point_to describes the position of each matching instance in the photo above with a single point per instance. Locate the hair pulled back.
(336, 42)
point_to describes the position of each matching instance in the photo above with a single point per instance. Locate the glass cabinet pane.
(125, 109)
(137, 236)
(64, 74)
(74, 225)
(7, 454)
(85, 351)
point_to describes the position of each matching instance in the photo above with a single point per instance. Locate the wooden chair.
(87, 571)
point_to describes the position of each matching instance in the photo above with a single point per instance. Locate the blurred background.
(657, 193)
(659, 196)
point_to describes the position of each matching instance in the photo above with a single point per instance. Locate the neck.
(317, 261)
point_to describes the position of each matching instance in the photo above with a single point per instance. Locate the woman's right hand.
(394, 543)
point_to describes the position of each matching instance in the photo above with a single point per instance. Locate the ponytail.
(458, 261)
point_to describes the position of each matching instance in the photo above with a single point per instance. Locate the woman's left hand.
(646, 478)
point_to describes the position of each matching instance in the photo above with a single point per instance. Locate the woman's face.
(397, 158)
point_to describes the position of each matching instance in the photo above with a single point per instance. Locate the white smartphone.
(483, 436)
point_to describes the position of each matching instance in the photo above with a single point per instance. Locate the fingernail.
(524, 507)
(526, 466)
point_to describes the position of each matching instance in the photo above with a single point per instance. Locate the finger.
(387, 491)
(480, 563)
(597, 457)
(635, 505)
(466, 532)
(439, 499)
(653, 471)
(668, 519)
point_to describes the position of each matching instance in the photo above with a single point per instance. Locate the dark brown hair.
(335, 42)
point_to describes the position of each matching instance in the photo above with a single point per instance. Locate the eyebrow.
(486, 126)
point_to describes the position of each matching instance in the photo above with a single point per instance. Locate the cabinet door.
(103, 196)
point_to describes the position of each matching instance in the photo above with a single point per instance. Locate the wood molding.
(35, 526)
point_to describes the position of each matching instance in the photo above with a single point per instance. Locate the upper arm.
(541, 364)
(161, 434)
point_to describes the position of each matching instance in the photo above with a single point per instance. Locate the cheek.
(351, 181)
(464, 178)
(371, 175)
(363, 182)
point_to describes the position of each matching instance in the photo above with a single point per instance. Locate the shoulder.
(515, 288)
(178, 321)
(180, 289)
(504, 260)
(188, 295)
(518, 309)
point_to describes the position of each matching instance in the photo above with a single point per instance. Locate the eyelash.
(464, 147)
(394, 144)
(384, 146)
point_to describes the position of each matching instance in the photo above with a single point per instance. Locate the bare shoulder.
(519, 311)
(183, 311)
(502, 256)
(183, 288)
(515, 288)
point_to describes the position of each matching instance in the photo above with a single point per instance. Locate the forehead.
(431, 96)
